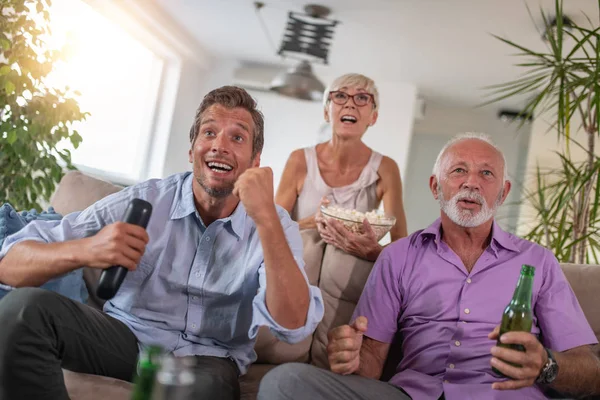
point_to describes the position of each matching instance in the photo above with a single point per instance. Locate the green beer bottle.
(518, 315)
(148, 365)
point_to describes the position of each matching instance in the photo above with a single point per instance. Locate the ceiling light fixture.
(299, 82)
(307, 37)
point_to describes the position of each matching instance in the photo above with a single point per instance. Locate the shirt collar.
(502, 238)
(236, 222)
(432, 230)
(184, 205)
(499, 236)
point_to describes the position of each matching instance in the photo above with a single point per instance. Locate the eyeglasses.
(360, 99)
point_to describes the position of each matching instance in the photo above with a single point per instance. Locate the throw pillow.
(70, 285)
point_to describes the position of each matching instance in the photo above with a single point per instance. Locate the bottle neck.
(522, 295)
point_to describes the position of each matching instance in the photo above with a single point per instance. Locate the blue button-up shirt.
(198, 290)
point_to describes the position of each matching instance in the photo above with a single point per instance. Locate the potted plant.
(34, 117)
(564, 82)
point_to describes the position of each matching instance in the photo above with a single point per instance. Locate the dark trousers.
(42, 332)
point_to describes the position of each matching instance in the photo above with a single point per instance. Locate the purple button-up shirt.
(444, 313)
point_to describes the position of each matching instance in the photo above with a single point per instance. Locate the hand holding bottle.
(529, 363)
(518, 354)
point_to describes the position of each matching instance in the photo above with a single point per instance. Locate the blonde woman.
(344, 171)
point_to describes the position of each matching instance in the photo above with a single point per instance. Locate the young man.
(444, 289)
(218, 260)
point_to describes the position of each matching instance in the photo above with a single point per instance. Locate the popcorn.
(352, 219)
(374, 217)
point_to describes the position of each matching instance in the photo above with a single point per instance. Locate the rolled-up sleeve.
(73, 226)
(39, 231)
(261, 315)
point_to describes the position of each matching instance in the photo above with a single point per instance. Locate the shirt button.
(457, 343)
(468, 280)
(451, 366)
(194, 298)
(207, 239)
(467, 311)
(197, 274)
(193, 326)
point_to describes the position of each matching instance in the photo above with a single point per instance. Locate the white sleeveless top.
(361, 195)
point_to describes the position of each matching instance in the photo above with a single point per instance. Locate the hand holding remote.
(137, 213)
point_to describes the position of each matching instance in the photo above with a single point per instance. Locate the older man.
(218, 260)
(444, 289)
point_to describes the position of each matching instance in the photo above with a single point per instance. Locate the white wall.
(195, 82)
(441, 122)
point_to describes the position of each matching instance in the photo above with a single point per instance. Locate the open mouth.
(348, 119)
(219, 167)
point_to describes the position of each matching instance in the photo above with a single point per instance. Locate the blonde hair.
(352, 80)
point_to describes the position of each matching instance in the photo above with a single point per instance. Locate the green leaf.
(30, 161)
(11, 137)
(76, 139)
(9, 87)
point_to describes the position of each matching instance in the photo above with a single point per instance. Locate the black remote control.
(138, 213)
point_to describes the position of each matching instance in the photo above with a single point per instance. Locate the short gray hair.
(466, 136)
(352, 80)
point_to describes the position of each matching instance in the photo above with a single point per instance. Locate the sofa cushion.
(343, 278)
(268, 348)
(12, 221)
(585, 282)
(92, 387)
(76, 192)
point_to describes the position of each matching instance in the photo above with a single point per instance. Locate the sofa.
(340, 277)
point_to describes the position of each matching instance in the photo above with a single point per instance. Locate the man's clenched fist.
(254, 188)
(344, 346)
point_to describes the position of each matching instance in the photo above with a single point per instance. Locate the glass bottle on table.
(175, 378)
(518, 315)
(148, 366)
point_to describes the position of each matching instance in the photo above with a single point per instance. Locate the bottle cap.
(528, 270)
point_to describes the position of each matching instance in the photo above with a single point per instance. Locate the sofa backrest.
(585, 282)
(341, 278)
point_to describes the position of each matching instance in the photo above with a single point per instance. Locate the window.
(119, 80)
